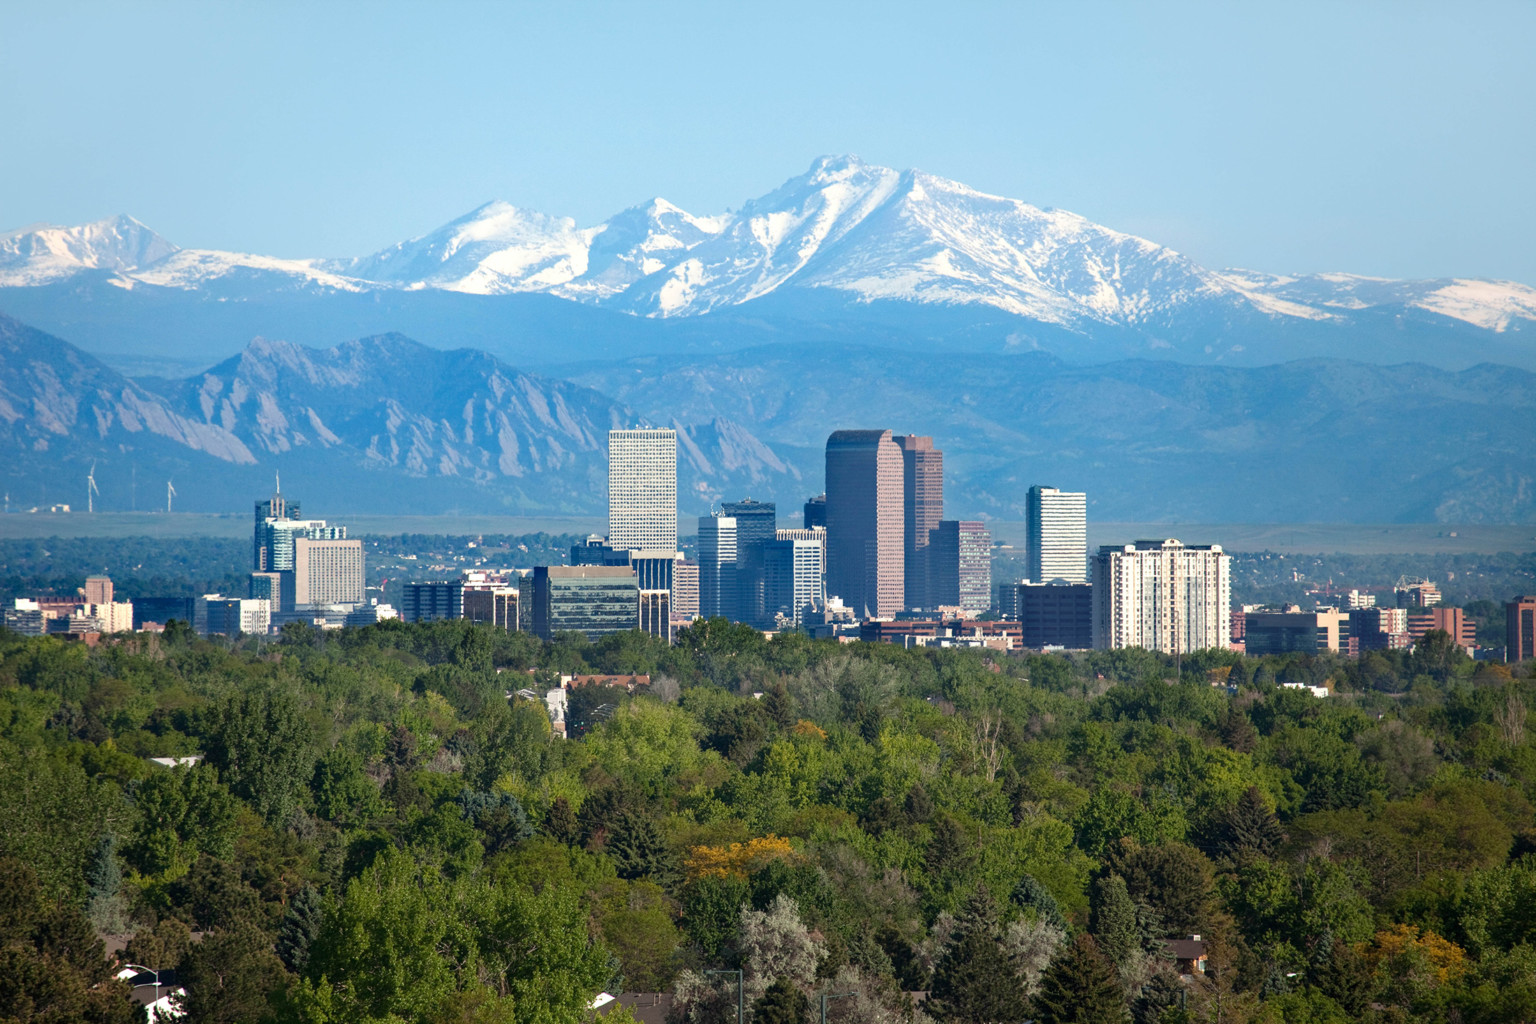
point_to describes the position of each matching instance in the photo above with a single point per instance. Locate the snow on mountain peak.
(868, 232)
(43, 253)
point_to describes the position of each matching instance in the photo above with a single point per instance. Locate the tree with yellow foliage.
(738, 859)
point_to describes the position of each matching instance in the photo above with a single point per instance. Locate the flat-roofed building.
(1162, 595)
(959, 558)
(1454, 621)
(866, 564)
(231, 616)
(1379, 629)
(656, 613)
(922, 509)
(717, 567)
(792, 580)
(685, 591)
(326, 572)
(495, 605)
(642, 490)
(1054, 614)
(1056, 535)
(592, 599)
(1520, 623)
(1284, 631)
(432, 600)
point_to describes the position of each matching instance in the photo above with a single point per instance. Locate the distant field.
(1287, 538)
(159, 524)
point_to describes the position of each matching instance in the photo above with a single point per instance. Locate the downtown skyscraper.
(642, 490)
(865, 521)
(1056, 541)
(922, 472)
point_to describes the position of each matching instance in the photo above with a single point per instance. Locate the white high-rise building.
(642, 490)
(1056, 546)
(717, 566)
(1163, 596)
(327, 572)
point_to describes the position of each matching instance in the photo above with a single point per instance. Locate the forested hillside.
(377, 832)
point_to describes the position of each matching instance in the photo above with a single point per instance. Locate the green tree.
(1342, 975)
(104, 902)
(260, 743)
(783, 1003)
(1079, 987)
(974, 984)
(301, 924)
(229, 976)
(637, 848)
(183, 811)
(1112, 920)
(1249, 827)
(1033, 898)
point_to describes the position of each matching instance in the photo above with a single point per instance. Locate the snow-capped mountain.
(847, 233)
(44, 253)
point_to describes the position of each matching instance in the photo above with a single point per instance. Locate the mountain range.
(478, 366)
(846, 251)
(387, 424)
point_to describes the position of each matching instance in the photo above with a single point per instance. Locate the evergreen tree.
(1250, 827)
(783, 1003)
(1030, 895)
(975, 984)
(560, 822)
(1112, 920)
(1161, 992)
(980, 914)
(228, 976)
(637, 849)
(300, 926)
(104, 902)
(1080, 987)
(1344, 977)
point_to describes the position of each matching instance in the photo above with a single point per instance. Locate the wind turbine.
(91, 490)
(170, 492)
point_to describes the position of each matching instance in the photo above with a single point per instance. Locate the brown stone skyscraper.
(922, 507)
(865, 543)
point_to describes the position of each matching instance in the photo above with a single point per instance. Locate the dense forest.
(382, 830)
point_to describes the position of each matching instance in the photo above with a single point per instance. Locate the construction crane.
(91, 490)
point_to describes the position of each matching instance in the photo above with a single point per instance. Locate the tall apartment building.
(717, 567)
(815, 512)
(98, 590)
(1520, 621)
(756, 525)
(1054, 614)
(1163, 596)
(685, 591)
(325, 572)
(791, 578)
(642, 490)
(959, 559)
(865, 522)
(819, 535)
(1056, 541)
(922, 475)
(593, 599)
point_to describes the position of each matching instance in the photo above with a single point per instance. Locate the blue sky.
(1393, 139)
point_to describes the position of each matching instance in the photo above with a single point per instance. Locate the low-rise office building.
(592, 599)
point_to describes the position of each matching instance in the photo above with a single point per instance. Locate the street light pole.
(740, 1007)
(832, 995)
